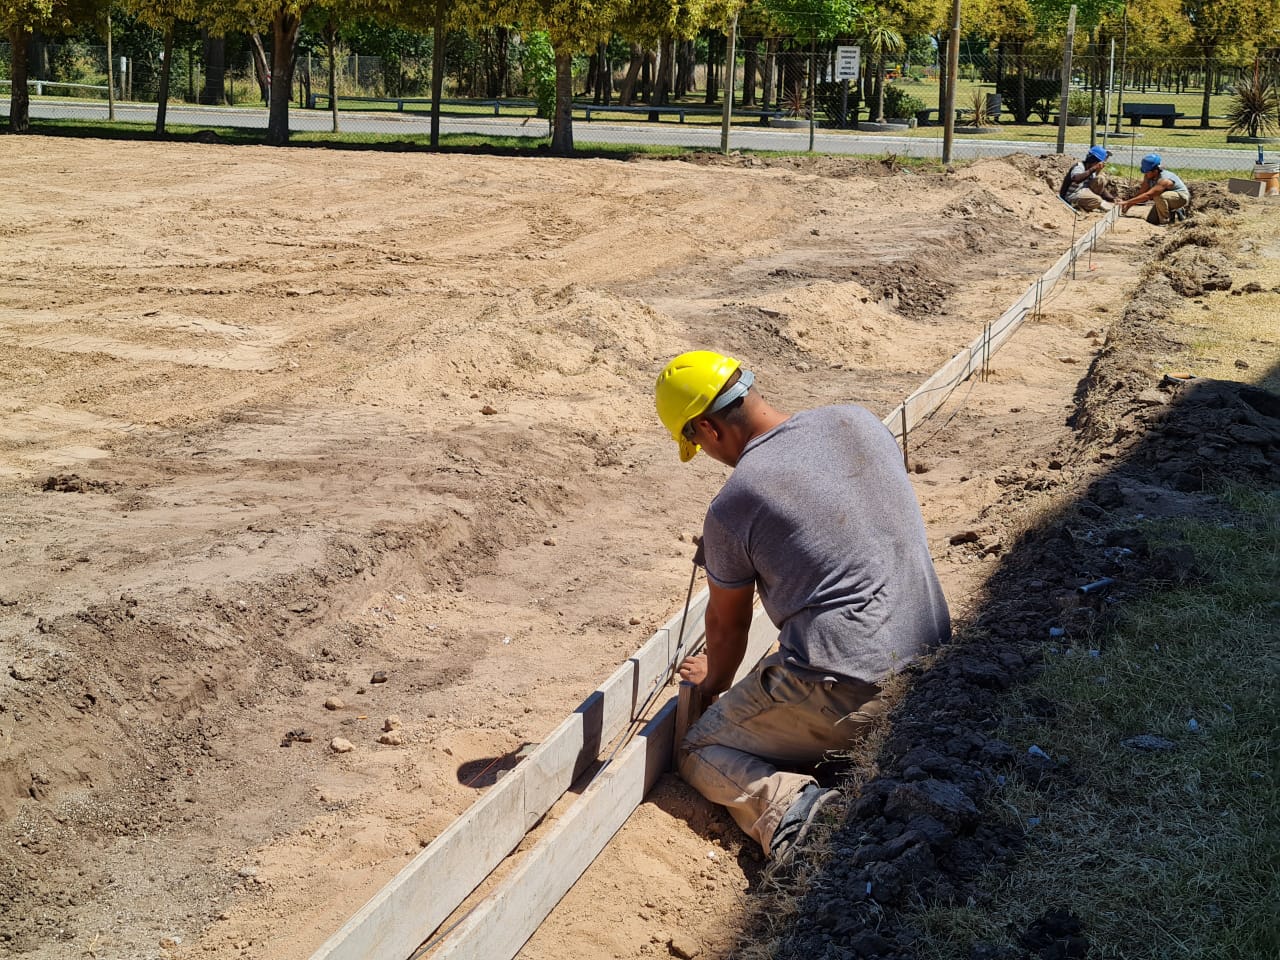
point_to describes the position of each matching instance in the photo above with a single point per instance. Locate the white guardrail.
(397, 922)
(41, 84)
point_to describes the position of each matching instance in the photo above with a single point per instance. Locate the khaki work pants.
(1164, 204)
(1090, 198)
(773, 718)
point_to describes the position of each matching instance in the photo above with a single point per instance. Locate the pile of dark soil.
(922, 830)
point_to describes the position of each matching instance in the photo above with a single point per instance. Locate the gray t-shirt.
(820, 516)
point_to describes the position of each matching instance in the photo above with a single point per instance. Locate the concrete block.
(1250, 188)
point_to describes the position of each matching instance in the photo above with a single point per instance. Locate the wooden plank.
(500, 926)
(689, 707)
(503, 922)
(430, 887)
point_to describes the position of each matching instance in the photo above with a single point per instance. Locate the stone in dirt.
(681, 946)
(943, 801)
(391, 723)
(334, 703)
(379, 676)
(1148, 742)
(392, 738)
(341, 745)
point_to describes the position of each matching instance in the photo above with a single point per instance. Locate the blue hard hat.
(1099, 154)
(1149, 162)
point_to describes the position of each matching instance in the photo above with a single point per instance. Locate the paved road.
(743, 137)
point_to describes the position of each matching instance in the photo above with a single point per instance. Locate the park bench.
(412, 102)
(1166, 112)
(589, 108)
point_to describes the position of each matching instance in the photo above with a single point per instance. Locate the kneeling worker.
(1085, 186)
(819, 516)
(1162, 187)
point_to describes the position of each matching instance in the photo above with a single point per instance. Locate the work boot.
(794, 827)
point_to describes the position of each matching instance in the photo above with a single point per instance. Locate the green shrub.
(899, 103)
(1078, 103)
(1043, 94)
(538, 64)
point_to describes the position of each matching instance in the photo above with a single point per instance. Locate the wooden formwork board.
(933, 393)
(434, 883)
(502, 923)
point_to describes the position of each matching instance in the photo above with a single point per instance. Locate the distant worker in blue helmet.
(1163, 188)
(1086, 186)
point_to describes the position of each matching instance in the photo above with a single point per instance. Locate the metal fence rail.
(1004, 104)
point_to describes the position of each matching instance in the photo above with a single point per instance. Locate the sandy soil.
(272, 422)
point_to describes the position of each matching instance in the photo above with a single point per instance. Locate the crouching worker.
(819, 517)
(1163, 188)
(1086, 186)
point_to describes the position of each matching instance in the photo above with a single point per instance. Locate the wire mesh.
(785, 97)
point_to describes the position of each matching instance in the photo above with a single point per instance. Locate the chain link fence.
(786, 98)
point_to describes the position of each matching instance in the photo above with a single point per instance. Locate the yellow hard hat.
(685, 389)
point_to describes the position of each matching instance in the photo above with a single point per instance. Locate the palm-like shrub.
(1255, 108)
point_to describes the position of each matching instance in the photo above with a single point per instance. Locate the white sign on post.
(848, 62)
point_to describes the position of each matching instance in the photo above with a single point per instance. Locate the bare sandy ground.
(273, 422)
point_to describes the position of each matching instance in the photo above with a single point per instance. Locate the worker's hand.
(694, 669)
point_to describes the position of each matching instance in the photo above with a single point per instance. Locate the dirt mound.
(819, 165)
(1048, 168)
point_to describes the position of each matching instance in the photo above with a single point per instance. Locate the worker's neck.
(759, 419)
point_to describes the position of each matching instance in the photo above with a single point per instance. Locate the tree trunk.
(879, 93)
(503, 41)
(627, 92)
(437, 71)
(750, 66)
(39, 58)
(1208, 88)
(715, 46)
(942, 37)
(686, 64)
(666, 71)
(604, 75)
(767, 94)
(1024, 111)
(261, 72)
(166, 71)
(662, 95)
(214, 90)
(19, 95)
(331, 42)
(562, 128)
(646, 75)
(284, 43)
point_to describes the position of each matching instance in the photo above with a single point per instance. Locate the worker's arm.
(1157, 188)
(1088, 172)
(728, 623)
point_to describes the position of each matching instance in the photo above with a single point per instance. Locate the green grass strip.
(1171, 854)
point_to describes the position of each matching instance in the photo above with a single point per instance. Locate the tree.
(163, 15)
(19, 19)
(1214, 23)
(283, 19)
(810, 21)
(881, 40)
